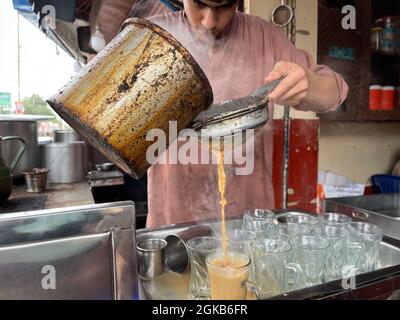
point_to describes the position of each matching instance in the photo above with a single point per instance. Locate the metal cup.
(176, 252)
(151, 257)
(36, 180)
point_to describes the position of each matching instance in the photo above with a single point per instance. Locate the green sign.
(5, 99)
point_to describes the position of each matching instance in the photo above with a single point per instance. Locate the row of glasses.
(324, 248)
(300, 251)
(282, 266)
(254, 225)
(355, 246)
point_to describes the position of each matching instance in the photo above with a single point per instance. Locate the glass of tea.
(228, 276)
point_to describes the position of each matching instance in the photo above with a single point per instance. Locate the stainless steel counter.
(84, 252)
(60, 195)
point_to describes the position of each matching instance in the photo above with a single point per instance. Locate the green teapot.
(6, 171)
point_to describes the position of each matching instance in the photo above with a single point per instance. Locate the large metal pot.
(66, 161)
(24, 126)
(142, 80)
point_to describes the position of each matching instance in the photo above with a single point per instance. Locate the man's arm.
(303, 88)
(306, 85)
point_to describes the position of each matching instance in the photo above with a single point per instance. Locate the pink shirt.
(236, 65)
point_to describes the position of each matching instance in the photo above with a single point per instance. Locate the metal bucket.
(142, 80)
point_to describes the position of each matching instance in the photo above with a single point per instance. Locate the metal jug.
(142, 80)
(6, 171)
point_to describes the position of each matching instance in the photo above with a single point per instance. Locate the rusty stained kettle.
(6, 171)
(143, 79)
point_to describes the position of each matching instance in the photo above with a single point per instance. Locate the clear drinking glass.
(338, 250)
(275, 274)
(239, 240)
(303, 219)
(335, 219)
(199, 249)
(286, 231)
(364, 246)
(261, 222)
(229, 277)
(310, 254)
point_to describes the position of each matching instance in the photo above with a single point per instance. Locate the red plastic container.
(388, 98)
(375, 97)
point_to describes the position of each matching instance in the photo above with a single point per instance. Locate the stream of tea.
(221, 187)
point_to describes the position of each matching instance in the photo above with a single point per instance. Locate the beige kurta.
(235, 65)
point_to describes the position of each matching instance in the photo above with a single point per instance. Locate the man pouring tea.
(238, 53)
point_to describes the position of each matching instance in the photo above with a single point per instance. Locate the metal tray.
(381, 209)
(174, 286)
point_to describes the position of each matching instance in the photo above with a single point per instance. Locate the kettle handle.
(20, 151)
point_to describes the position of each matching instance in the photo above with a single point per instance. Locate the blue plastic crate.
(22, 5)
(386, 183)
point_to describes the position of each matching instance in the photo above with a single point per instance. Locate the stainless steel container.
(36, 180)
(142, 80)
(66, 161)
(66, 136)
(176, 254)
(26, 127)
(151, 257)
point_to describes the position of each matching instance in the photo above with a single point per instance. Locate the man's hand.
(302, 88)
(293, 89)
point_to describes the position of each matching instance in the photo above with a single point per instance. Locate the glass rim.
(252, 213)
(188, 243)
(248, 232)
(298, 225)
(336, 227)
(221, 255)
(288, 215)
(379, 230)
(255, 243)
(328, 244)
(347, 220)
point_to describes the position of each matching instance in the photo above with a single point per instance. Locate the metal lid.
(228, 110)
(229, 117)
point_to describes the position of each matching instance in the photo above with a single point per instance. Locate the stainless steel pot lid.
(220, 122)
(232, 116)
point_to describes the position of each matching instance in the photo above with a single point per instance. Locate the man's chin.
(207, 36)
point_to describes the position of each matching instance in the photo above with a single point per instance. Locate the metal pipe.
(286, 149)
(19, 60)
(286, 122)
